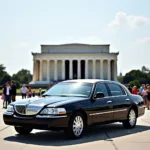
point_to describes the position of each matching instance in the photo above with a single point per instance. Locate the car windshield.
(70, 89)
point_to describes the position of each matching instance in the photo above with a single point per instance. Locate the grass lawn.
(18, 90)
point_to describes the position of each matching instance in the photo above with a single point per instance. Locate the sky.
(26, 24)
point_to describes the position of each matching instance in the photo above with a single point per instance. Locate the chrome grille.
(20, 109)
(27, 109)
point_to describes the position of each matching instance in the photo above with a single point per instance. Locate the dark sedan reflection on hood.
(48, 100)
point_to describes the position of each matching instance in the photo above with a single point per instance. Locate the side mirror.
(99, 95)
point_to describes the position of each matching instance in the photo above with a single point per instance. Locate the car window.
(70, 89)
(115, 89)
(100, 87)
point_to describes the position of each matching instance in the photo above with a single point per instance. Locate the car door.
(121, 101)
(102, 107)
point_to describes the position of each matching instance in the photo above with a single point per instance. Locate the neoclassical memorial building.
(73, 61)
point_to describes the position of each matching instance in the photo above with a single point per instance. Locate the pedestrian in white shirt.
(24, 91)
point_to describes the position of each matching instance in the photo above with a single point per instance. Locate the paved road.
(107, 137)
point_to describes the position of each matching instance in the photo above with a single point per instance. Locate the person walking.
(24, 91)
(13, 91)
(33, 94)
(134, 90)
(148, 97)
(144, 95)
(7, 93)
(3, 96)
(141, 89)
(129, 88)
(29, 92)
(39, 92)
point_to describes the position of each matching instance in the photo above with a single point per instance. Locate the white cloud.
(145, 40)
(124, 20)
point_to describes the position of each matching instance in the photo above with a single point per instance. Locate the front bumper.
(36, 122)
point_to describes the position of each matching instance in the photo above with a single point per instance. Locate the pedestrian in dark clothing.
(148, 97)
(33, 94)
(3, 96)
(13, 91)
(7, 93)
(129, 88)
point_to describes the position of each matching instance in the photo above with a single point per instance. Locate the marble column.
(41, 70)
(86, 69)
(115, 70)
(94, 69)
(34, 70)
(108, 69)
(55, 70)
(79, 69)
(101, 69)
(48, 70)
(63, 69)
(70, 69)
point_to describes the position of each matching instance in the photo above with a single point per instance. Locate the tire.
(23, 130)
(76, 126)
(131, 119)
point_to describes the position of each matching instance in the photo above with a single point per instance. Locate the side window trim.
(104, 86)
(108, 89)
(123, 91)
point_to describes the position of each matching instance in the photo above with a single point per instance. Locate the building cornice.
(75, 44)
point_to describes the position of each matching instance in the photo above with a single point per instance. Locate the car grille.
(20, 109)
(27, 109)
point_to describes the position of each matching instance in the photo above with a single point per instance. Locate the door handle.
(109, 102)
(127, 99)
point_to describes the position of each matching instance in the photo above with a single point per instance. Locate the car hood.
(49, 100)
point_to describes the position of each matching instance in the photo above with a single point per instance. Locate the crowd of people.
(9, 92)
(27, 92)
(144, 91)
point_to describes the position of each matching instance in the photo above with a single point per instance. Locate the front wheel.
(76, 126)
(23, 130)
(131, 120)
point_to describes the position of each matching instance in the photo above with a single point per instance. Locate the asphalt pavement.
(104, 137)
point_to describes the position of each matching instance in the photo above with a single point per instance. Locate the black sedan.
(75, 104)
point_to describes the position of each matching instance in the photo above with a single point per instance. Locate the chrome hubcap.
(78, 126)
(132, 117)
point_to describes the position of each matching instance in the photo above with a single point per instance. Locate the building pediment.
(74, 48)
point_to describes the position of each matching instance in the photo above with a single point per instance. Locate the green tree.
(4, 76)
(135, 83)
(17, 84)
(120, 79)
(135, 75)
(22, 76)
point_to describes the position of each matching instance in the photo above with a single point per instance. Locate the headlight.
(10, 108)
(53, 111)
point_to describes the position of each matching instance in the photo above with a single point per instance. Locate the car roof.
(89, 80)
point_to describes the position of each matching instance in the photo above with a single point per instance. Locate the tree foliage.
(4, 76)
(23, 76)
(137, 77)
(135, 83)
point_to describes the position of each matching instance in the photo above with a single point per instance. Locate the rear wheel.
(23, 130)
(131, 120)
(76, 126)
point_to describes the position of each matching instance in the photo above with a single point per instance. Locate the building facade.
(73, 61)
